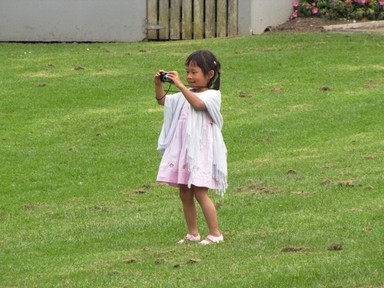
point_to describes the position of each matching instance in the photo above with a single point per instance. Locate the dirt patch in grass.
(293, 249)
(258, 189)
(335, 247)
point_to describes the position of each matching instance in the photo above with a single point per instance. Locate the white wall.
(72, 20)
(256, 15)
(110, 20)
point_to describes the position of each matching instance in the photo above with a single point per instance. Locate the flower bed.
(339, 9)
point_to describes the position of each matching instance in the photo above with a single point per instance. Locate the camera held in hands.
(164, 77)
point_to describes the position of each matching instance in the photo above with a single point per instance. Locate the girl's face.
(196, 78)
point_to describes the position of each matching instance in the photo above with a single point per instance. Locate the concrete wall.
(256, 15)
(111, 20)
(72, 20)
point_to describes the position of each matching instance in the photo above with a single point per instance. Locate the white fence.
(112, 20)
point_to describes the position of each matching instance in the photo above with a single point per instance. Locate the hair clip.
(214, 62)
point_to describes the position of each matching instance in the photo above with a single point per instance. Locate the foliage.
(339, 9)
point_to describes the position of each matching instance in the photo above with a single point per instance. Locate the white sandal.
(189, 238)
(212, 239)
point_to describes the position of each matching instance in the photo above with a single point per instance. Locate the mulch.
(308, 25)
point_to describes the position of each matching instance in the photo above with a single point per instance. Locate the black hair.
(207, 61)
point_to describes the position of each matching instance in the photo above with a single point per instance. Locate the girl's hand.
(157, 78)
(174, 76)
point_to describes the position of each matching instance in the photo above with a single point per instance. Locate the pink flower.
(308, 6)
(294, 15)
(381, 3)
(314, 4)
(315, 11)
(295, 4)
(362, 1)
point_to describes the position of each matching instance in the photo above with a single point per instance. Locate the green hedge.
(339, 9)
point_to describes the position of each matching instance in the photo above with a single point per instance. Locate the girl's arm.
(191, 97)
(159, 90)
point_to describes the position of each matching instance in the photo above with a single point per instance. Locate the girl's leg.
(189, 208)
(209, 209)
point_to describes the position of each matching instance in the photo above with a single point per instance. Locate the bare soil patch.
(314, 24)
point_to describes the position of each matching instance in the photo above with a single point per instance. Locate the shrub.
(339, 9)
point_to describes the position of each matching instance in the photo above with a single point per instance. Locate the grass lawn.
(304, 127)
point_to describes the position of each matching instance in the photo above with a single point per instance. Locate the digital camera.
(164, 77)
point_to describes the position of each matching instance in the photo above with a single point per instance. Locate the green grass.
(304, 126)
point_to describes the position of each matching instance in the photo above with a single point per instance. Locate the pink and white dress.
(179, 166)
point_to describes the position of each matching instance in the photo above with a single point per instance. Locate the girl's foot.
(212, 239)
(189, 238)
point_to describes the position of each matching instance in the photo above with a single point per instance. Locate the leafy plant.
(337, 9)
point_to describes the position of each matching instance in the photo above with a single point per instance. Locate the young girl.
(194, 153)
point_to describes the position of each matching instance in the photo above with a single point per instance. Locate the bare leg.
(209, 209)
(189, 208)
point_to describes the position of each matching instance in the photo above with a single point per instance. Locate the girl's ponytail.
(215, 81)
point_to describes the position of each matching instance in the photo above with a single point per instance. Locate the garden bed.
(316, 24)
